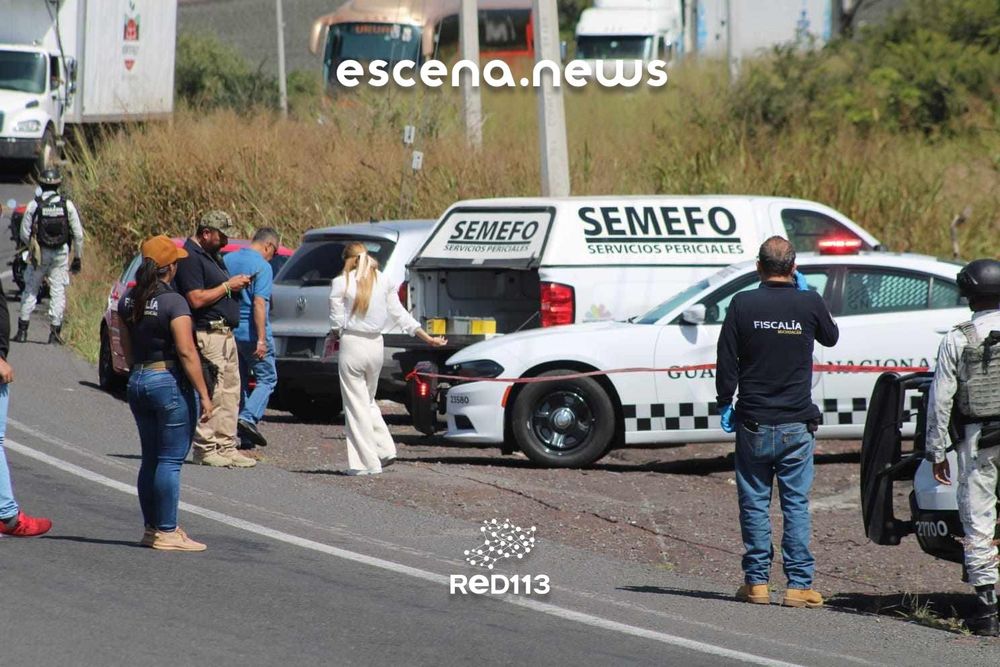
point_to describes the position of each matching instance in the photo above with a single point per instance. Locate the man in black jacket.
(13, 521)
(766, 349)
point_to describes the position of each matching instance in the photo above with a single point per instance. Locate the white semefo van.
(522, 263)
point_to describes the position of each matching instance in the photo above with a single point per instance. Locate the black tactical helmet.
(50, 177)
(980, 277)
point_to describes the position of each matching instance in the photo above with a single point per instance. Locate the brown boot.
(799, 597)
(211, 458)
(754, 593)
(237, 459)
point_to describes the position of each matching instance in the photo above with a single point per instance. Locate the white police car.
(892, 310)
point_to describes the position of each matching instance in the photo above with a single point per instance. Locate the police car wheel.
(564, 424)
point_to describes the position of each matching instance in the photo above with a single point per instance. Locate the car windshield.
(365, 42)
(658, 313)
(22, 71)
(319, 261)
(592, 47)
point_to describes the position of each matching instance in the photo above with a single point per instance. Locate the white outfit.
(360, 363)
(978, 469)
(54, 263)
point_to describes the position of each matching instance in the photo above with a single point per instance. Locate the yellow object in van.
(483, 327)
(436, 326)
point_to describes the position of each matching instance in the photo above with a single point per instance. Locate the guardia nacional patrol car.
(892, 310)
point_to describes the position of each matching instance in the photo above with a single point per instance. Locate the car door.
(687, 408)
(887, 317)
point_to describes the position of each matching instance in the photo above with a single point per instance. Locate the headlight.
(28, 126)
(476, 369)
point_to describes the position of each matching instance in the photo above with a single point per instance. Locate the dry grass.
(347, 163)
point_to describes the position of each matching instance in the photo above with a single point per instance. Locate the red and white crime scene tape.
(819, 368)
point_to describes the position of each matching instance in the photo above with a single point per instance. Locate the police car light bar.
(839, 246)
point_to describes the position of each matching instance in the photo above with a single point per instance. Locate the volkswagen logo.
(300, 304)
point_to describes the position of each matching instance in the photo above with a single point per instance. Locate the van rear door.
(482, 262)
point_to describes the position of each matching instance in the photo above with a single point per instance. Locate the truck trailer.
(67, 62)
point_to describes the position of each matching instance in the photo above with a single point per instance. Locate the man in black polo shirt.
(215, 307)
(766, 349)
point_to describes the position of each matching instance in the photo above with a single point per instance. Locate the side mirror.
(694, 315)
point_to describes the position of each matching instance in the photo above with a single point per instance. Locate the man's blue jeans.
(784, 452)
(165, 408)
(8, 506)
(265, 374)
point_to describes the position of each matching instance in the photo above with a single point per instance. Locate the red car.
(112, 372)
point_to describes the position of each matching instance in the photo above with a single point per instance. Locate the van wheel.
(107, 378)
(324, 409)
(564, 423)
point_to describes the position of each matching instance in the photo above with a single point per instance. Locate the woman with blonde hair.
(363, 303)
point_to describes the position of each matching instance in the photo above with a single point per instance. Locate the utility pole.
(282, 85)
(690, 28)
(551, 115)
(732, 63)
(471, 101)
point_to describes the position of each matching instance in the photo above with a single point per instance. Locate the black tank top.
(152, 339)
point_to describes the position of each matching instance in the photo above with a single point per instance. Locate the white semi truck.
(65, 62)
(629, 31)
(744, 28)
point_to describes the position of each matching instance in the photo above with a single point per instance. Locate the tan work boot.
(236, 459)
(213, 458)
(175, 540)
(148, 536)
(754, 593)
(799, 597)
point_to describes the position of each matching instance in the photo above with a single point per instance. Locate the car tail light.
(557, 304)
(130, 284)
(404, 294)
(842, 245)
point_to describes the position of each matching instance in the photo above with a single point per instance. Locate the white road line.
(543, 607)
(6, 274)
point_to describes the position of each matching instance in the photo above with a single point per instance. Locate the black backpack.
(51, 222)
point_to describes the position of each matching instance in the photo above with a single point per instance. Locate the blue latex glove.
(727, 418)
(800, 282)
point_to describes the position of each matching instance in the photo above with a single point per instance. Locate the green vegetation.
(897, 129)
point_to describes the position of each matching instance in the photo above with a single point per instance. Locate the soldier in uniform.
(50, 222)
(967, 379)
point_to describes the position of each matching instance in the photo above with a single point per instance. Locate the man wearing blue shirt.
(254, 341)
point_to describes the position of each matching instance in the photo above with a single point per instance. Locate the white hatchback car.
(892, 310)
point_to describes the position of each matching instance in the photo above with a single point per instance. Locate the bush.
(209, 74)
(919, 71)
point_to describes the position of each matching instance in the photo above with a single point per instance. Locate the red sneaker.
(27, 526)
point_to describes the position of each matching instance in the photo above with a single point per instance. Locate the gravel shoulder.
(672, 507)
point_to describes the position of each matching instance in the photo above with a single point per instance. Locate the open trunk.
(476, 302)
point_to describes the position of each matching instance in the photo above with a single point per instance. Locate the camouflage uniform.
(978, 467)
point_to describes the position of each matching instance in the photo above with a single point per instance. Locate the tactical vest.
(51, 223)
(979, 375)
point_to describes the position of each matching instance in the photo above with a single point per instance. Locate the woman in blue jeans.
(158, 341)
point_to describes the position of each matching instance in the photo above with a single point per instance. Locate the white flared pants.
(359, 366)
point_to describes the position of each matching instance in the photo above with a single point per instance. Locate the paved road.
(302, 572)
